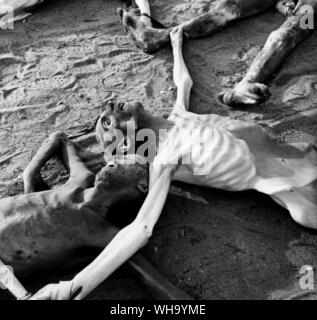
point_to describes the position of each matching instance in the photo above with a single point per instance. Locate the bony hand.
(176, 36)
(245, 93)
(64, 290)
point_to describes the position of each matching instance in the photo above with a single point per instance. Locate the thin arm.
(128, 241)
(144, 7)
(182, 77)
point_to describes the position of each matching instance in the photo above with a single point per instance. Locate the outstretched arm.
(145, 11)
(124, 245)
(251, 89)
(182, 77)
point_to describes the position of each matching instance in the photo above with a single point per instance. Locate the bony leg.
(251, 89)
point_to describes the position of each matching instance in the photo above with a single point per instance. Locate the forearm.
(182, 77)
(127, 242)
(181, 73)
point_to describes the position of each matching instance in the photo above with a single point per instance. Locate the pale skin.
(16, 9)
(239, 156)
(253, 88)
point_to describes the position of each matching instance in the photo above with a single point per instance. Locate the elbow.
(187, 81)
(148, 232)
(184, 82)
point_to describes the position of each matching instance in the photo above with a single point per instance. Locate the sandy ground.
(59, 67)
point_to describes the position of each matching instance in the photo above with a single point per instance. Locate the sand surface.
(59, 67)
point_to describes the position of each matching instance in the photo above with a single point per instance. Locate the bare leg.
(56, 145)
(150, 39)
(251, 90)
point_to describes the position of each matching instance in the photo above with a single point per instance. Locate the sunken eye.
(106, 122)
(121, 106)
(110, 105)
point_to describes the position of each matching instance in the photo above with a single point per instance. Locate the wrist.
(71, 288)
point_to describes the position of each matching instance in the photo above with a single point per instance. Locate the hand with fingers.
(176, 36)
(245, 93)
(64, 290)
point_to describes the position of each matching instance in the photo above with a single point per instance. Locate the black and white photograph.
(155, 150)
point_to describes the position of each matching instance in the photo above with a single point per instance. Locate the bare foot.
(245, 93)
(146, 38)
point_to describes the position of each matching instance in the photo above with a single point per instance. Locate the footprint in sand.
(119, 52)
(12, 94)
(304, 89)
(76, 52)
(9, 59)
(87, 66)
(56, 82)
(58, 115)
(25, 71)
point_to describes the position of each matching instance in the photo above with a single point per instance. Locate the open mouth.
(124, 145)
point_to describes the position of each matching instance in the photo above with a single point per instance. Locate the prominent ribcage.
(215, 157)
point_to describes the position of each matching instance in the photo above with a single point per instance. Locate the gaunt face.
(117, 126)
(125, 175)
